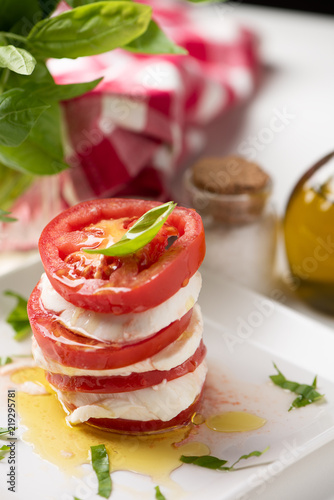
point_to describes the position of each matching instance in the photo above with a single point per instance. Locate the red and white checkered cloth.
(130, 134)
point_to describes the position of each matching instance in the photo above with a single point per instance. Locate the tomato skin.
(67, 348)
(119, 294)
(120, 383)
(151, 426)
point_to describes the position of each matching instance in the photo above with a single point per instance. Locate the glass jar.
(240, 233)
(309, 235)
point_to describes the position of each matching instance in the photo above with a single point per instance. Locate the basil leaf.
(158, 494)
(307, 394)
(89, 30)
(210, 462)
(12, 185)
(16, 59)
(53, 92)
(40, 76)
(18, 317)
(22, 12)
(4, 216)
(18, 114)
(5, 361)
(80, 3)
(100, 463)
(31, 156)
(207, 461)
(4, 431)
(48, 6)
(154, 41)
(141, 233)
(3, 451)
(252, 454)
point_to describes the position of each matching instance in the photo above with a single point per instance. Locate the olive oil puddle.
(234, 421)
(68, 447)
(155, 456)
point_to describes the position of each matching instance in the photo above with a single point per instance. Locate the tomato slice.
(127, 284)
(120, 383)
(151, 426)
(70, 349)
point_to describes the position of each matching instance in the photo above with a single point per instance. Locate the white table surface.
(298, 75)
(297, 51)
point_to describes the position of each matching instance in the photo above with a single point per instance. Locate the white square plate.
(245, 333)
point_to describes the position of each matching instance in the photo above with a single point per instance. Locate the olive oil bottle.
(309, 235)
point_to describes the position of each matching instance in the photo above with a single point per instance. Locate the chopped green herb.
(3, 431)
(18, 317)
(76, 498)
(3, 451)
(100, 463)
(252, 454)
(4, 216)
(210, 462)
(158, 494)
(307, 394)
(5, 360)
(207, 461)
(141, 233)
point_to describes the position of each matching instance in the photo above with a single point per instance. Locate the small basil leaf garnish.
(3, 451)
(307, 394)
(5, 360)
(214, 463)
(18, 317)
(100, 463)
(207, 461)
(158, 494)
(141, 233)
(3, 431)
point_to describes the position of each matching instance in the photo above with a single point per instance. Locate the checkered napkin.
(131, 134)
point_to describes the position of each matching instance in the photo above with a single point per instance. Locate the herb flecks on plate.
(158, 494)
(18, 317)
(5, 360)
(3, 451)
(214, 463)
(141, 233)
(307, 394)
(100, 463)
(4, 432)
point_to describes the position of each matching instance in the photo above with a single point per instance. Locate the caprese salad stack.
(115, 321)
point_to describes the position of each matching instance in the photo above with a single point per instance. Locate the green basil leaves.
(100, 463)
(18, 317)
(307, 394)
(141, 233)
(89, 29)
(16, 59)
(214, 463)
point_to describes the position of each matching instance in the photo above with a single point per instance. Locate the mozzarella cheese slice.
(173, 355)
(120, 328)
(161, 402)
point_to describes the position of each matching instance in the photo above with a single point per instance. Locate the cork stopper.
(228, 189)
(229, 175)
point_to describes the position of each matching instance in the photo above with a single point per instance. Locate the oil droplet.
(235, 421)
(198, 419)
(196, 448)
(68, 447)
